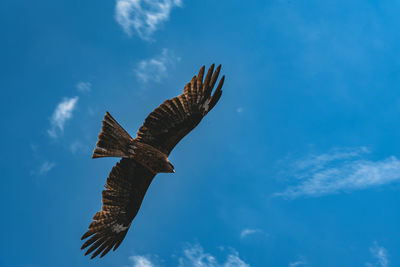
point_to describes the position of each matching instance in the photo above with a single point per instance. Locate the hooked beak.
(172, 169)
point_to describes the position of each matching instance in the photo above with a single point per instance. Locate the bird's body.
(114, 141)
(144, 157)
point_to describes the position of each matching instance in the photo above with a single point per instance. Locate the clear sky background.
(298, 164)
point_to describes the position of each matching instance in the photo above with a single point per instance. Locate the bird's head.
(171, 167)
(168, 167)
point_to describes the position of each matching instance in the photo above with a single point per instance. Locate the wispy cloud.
(156, 68)
(46, 167)
(239, 110)
(61, 114)
(143, 16)
(297, 263)
(314, 163)
(195, 256)
(341, 171)
(43, 168)
(84, 87)
(141, 261)
(248, 231)
(380, 254)
(78, 146)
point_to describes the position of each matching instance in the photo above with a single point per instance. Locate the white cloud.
(301, 261)
(144, 16)
(84, 87)
(140, 261)
(61, 114)
(314, 163)
(78, 146)
(156, 68)
(341, 171)
(195, 256)
(247, 231)
(297, 263)
(192, 256)
(34, 147)
(46, 167)
(380, 254)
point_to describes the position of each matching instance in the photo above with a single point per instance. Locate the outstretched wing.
(176, 117)
(126, 186)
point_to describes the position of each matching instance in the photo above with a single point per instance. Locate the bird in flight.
(144, 157)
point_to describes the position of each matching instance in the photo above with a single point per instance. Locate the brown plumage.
(144, 157)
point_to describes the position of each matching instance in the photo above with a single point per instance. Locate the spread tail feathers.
(113, 140)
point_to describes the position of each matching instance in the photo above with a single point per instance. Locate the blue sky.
(297, 165)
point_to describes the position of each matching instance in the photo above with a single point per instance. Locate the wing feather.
(199, 84)
(176, 117)
(217, 94)
(182, 98)
(180, 110)
(126, 186)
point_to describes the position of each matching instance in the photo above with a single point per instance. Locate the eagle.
(143, 157)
